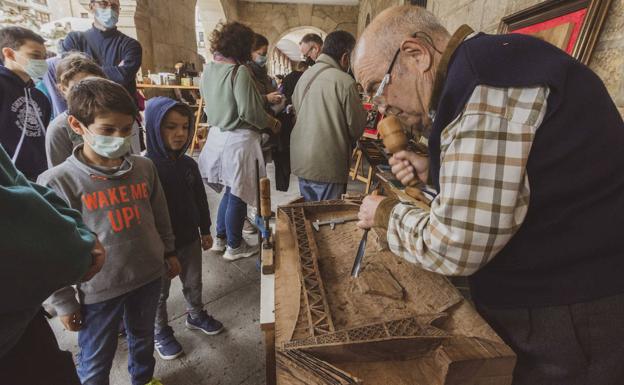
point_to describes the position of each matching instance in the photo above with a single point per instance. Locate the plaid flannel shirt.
(484, 186)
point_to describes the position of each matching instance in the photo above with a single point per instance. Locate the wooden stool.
(372, 151)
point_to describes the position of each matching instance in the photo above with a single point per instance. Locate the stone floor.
(231, 294)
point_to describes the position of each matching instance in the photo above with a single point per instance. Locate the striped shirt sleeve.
(484, 186)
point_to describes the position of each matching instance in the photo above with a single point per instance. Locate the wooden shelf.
(165, 87)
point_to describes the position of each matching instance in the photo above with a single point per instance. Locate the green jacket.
(233, 106)
(330, 120)
(44, 246)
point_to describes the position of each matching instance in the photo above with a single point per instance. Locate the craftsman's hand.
(206, 241)
(173, 267)
(274, 98)
(367, 211)
(72, 322)
(407, 166)
(98, 256)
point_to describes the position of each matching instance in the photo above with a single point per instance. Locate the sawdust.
(361, 301)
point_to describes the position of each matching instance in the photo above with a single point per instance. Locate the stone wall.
(371, 8)
(275, 20)
(166, 30)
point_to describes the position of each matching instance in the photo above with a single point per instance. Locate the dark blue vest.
(570, 247)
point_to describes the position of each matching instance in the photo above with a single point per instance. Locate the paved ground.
(232, 294)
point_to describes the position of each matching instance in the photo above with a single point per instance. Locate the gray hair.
(396, 23)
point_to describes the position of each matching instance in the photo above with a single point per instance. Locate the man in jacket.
(330, 119)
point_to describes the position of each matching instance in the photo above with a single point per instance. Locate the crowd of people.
(110, 228)
(93, 232)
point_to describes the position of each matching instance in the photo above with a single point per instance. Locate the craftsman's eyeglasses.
(379, 99)
(106, 4)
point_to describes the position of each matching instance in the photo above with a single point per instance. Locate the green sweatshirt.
(44, 246)
(233, 106)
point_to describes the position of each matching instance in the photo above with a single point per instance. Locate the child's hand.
(72, 322)
(206, 241)
(98, 256)
(173, 267)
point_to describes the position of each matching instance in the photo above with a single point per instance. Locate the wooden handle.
(392, 133)
(265, 197)
(415, 193)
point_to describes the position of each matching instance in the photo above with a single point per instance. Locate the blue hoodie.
(59, 104)
(24, 116)
(179, 176)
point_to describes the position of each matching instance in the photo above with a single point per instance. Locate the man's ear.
(8, 53)
(75, 125)
(62, 90)
(419, 53)
(344, 61)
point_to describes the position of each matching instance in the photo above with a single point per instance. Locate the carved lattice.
(416, 327)
(316, 307)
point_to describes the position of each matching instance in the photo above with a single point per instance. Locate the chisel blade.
(357, 264)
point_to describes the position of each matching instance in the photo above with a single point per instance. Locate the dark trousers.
(37, 359)
(578, 344)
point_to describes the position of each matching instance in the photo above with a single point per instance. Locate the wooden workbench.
(394, 325)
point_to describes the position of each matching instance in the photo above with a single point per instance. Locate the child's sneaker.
(245, 250)
(219, 244)
(205, 323)
(166, 345)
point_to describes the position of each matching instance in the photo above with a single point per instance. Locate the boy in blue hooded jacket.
(169, 134)
(24, 110)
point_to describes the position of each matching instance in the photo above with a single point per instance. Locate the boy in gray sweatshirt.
(122, 201)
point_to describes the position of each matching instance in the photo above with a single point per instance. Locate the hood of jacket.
(155, 112)
(79, 161)
(6, 75)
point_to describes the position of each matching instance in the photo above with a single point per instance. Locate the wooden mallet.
(395, 140)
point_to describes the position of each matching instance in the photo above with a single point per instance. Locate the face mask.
(111, 147)
(261, 60)
(309, 61)
(107, 17)
(35, 68)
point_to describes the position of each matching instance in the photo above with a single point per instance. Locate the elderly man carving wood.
(526, 156)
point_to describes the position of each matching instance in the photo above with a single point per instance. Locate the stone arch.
(276, 20)
(288, 42)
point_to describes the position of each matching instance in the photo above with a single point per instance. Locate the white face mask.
(111, 147)
(35, 68)
(107, 17)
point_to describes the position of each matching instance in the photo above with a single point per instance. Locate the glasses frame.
(104, 4)
(378, 99)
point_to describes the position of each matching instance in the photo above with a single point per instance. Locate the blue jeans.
(98, 337)
(230, 219)
(319, 191)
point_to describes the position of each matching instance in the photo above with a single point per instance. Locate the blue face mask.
(111, 147)
(107, 17)
(35, 68)
(261, 60)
